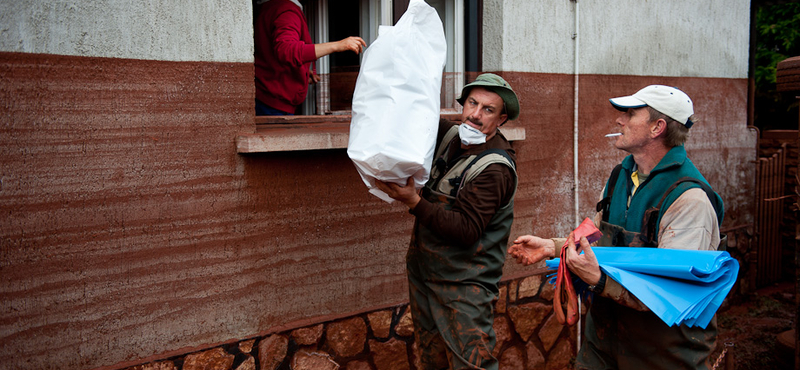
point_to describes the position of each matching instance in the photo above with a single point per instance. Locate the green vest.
(622, 338)
(435, 258)
(674, 166)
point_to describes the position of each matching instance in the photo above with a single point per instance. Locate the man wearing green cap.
(463, 221)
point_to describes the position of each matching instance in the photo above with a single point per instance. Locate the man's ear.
(658, 128)
(504, 117)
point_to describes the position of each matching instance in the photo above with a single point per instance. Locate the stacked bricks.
(528, 338)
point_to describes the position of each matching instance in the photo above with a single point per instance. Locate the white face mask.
(470, 135)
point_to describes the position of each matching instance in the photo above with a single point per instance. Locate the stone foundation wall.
(528, 337)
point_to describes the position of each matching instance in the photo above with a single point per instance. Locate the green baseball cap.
(497, 85)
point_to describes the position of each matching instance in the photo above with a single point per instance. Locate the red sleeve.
(289, 46)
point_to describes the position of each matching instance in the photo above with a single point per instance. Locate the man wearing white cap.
(655, 198)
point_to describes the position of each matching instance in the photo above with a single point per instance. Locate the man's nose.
(475, 115)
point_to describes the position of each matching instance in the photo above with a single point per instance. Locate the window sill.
(292, 133)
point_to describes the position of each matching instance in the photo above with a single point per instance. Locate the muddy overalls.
(619, 337)
(452, 287)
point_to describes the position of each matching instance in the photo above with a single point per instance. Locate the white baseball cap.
(665, 99)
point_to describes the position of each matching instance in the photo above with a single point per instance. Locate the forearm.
(616, 292)
(450, 224)
(558, 243)
(324, 49)
(476, 204)
(352, 43)
(689, 223)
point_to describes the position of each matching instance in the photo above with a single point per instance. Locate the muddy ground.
(753, 324)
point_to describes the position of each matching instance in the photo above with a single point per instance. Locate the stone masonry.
(528, 338)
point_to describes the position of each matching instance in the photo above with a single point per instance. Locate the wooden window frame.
(331, 131)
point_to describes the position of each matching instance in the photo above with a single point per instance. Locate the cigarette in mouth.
(614, 134)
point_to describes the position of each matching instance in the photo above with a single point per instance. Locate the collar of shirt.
(636, 179)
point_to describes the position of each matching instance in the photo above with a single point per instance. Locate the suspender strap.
(483, 160)
(653, 214)
(605, 203)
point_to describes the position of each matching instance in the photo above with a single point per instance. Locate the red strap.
(564, 290)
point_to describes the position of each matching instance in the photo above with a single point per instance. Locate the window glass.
(335, 20)
(344, 20)
(450, 11)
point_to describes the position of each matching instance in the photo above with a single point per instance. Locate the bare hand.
(352, 43)
(313, 78)
(407, 194)
(585, 265)
(529, 249)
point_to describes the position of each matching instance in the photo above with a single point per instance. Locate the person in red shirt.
(284, 54)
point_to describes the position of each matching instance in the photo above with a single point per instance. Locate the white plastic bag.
(396, 100)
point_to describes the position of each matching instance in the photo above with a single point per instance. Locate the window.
(453, 78)
(329, 100)
(330, 21)
(338, 71)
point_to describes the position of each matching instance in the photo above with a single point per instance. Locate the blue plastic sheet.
(680, 286)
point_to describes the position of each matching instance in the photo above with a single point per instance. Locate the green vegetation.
(766, 307)
(777, 38)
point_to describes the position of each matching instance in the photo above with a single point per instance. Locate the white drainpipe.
(575, 37)
(576, 184)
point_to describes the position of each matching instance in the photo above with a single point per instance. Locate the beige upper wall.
(197, 30)
(627, 37)
(683, 38)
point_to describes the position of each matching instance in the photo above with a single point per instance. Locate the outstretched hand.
(352, 43)
(529, 249)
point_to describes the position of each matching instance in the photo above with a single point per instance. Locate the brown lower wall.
(529, 337)
(131, 231)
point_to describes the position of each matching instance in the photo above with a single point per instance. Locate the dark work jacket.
(437, 252)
